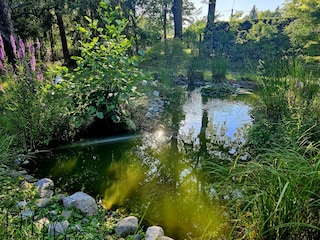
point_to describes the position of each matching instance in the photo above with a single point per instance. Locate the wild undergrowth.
(275, 195)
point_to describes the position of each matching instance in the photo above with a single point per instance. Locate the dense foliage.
(275, 194)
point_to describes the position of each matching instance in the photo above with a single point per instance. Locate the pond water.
(159, 174)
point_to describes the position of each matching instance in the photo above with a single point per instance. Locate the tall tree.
(6, 28)
(177, 18)
(253, 12)
(63, 36)
(210, 23)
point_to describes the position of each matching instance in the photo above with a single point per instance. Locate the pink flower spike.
(33, 63)
(13, 44)
(32, 50)
(40, 76)
(38, 44)
(22, 49)
(1, 88)
(48, 55)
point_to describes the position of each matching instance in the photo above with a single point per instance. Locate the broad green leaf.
(100, 115)
(92, 109)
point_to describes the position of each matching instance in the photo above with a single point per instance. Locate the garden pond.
(159, 174)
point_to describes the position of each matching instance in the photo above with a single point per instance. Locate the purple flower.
(32, 50)
(40, 76)
(33, 63)
(1, 54)
(48, 55)
(13, 44)
(1, 66)
(22, 49)
(38, 44)
(28, 44)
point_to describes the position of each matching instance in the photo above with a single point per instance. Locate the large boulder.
(127, 226)
(154, 233)
(82, 201)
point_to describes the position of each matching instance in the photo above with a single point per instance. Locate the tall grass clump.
(219, 67)
(276, 196)
(288, 106)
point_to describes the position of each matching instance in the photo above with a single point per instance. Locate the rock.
(23, 172)
(27, 213)
(82, 201)
(165, 238)
(25, 185)
(42, 202)
(22, 204)
(29, 178)
(47, 193)
(156, 93)
(42, 223)
(66, 214)
(57, 228)
(154, 233)
(144, 83)
(25, 163)
(127, 226)
(43, 185)
(60, 197)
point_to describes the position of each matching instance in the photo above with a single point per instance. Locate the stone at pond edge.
(82, 201)
(43, 185)
(154, 233)
(165, 238)
(127, 226)
(42, 202)
(43, 222)
(57, 228)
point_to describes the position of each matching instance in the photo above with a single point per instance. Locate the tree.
(177, 17)
(304, 30)
(208, 35)
(6, 28)
(253, 12)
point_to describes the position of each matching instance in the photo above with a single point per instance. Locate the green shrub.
(104, 80)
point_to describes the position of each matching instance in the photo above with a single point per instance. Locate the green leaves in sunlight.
(105, 77)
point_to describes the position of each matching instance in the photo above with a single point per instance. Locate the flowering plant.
(29, 96)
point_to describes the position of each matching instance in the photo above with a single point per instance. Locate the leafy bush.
(104, 81)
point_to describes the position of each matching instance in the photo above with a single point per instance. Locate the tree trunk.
(6, 29)
(165, 11)
(63, 37)
(210, 24)
(177, 18)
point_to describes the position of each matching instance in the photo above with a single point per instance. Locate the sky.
(224, 7)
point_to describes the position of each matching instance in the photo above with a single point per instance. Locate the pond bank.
(59, 215)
